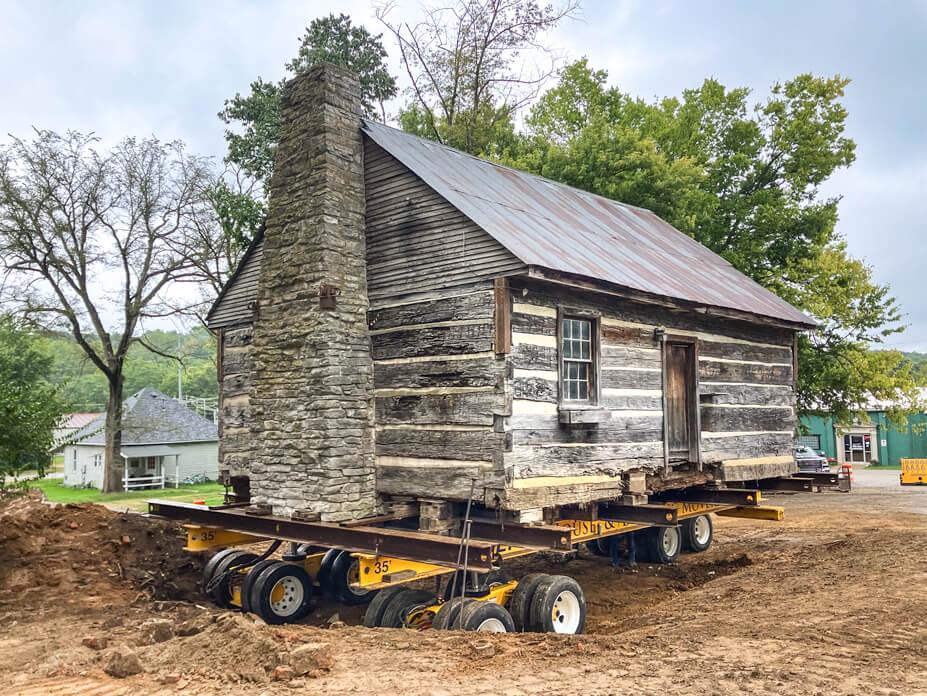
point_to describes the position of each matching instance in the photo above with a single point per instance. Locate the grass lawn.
(887, 467)
(133, 500)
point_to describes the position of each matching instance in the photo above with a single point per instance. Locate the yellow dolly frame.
(914, 472)
(378, 559)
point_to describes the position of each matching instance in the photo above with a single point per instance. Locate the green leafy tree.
(332, 39)
(30, 407)
(745, 180)
(80, 382)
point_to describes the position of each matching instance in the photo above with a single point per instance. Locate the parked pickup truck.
(809, 460)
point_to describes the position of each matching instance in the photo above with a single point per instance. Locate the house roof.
(150, 417)
(552, 226)
(76, 420)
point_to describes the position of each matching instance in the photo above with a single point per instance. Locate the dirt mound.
(257, 649)
(88, 547)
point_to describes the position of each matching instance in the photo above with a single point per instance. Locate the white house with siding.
(163, 442)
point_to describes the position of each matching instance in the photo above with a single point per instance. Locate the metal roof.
(553, 226)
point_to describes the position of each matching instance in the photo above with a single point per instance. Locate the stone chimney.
(311, 382)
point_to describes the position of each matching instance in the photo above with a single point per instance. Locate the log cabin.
(417, 324)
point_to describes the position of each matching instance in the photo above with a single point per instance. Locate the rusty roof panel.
(557, 227)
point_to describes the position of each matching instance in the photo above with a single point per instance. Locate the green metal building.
(862, 441)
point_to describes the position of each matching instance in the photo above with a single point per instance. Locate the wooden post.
(220, 339)
(503, 316)
(795, 360)
(660, 335)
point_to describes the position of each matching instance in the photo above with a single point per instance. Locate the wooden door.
(680, 393)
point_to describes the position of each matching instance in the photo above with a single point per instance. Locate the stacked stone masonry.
(311, 382)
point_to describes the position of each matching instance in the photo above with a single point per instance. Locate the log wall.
(234, 427)
(439, 395)
(747, 401)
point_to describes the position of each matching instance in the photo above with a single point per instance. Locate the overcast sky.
(165, 67)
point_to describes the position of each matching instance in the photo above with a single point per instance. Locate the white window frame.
(567, 346)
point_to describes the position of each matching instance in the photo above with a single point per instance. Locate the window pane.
(585, 351)
(585, 329)
(567, 328)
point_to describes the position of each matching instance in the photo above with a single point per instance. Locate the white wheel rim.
(566, 613)
(292, 597)
(492, 626)
(702, 530)
(670, 541)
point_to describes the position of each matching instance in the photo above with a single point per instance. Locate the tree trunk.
(114, 464)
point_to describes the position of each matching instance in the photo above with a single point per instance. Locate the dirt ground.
(830, 601)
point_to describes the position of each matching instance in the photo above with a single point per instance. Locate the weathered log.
(528, 356)
(477, 408)
(774, 395)
(745, 351)
(479, 371)
(713, 371)
(434, 340)
(440, 444)
(734, 419)
(530, 461)
(717, 449)
(475, 305)
(631, 379)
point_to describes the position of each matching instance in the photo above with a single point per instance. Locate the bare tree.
(464, 63)
(219, 239)
(93, 243)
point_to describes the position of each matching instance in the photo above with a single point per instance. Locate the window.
(74, 459)
(577, 368)
(857, 448)
(97, 461)
(812, 441)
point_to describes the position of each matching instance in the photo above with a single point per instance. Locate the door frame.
(693, 412)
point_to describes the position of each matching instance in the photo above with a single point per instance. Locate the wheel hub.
(286, 596)
(566, 613)
(701, 530)
(670, 541)
(492, 626)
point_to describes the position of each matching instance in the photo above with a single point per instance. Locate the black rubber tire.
(519, 604)
(338, 585)
(600, 547)
(221, 593)
(493, 577)
(210, 567)
(689, 540)
(248, 583)
(653, 547)
(325, 567)
(549, 591)
(447, 614)
(396, 610)
(264, 585)
(378, 604)
(476, 612)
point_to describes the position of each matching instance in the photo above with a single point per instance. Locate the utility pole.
(179, 372)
